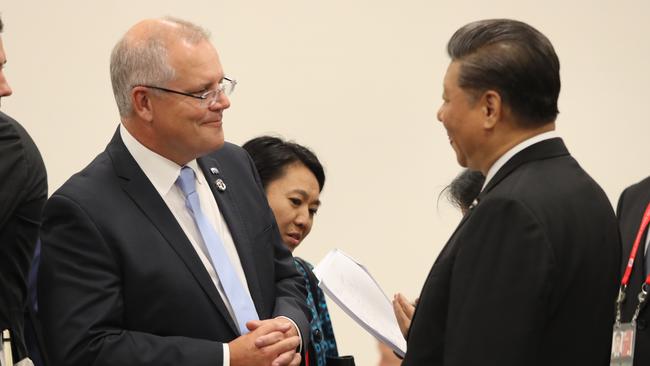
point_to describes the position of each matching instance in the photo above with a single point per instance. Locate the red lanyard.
(635, 247)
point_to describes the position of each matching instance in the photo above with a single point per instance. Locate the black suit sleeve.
(23, 191)
(291, 295)
(500, 286)
(85, 319)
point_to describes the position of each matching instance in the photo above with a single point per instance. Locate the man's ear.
(492, 108)
(142, 103)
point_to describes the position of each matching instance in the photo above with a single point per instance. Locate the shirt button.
(318, 336)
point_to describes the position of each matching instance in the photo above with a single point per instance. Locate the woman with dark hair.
(463, 190)
(293, 178)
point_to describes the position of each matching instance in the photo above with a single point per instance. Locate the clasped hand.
(271, 342)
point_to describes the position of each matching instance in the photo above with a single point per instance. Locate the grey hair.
(145, 61)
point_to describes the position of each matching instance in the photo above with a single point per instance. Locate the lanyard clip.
(621, 294)
(619, 301)
(643, 295)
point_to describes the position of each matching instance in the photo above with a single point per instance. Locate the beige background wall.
(359, 81)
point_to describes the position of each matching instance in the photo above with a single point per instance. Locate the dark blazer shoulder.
(95, 177)
(20, 155)
(635, 191)
(12, 131)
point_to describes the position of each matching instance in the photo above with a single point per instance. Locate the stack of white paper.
(351, 287)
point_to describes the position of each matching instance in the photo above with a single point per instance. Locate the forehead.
(451, 76)
(198, 61)
(297, 176)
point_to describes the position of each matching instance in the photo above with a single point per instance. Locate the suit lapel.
(229, 209)
(136, 184)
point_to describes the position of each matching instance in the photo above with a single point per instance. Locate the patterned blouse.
(322, 341)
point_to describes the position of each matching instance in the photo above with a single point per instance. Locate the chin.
(462, 161)
(291, 246)
(214, 143)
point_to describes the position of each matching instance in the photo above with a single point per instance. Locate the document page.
(352, 288)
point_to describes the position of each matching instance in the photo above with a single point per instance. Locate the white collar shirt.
(162, 173)
(503, 159)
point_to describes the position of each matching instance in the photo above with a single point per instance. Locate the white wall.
(359, 82)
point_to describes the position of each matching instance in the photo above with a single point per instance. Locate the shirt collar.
(162, 172)
(501, 161)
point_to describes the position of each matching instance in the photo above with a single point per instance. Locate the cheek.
(281, 213)
(308, 226)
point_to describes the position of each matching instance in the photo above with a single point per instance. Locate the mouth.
(215, 123)
(294, 238)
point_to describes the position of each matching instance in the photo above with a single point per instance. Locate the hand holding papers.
(352, 288)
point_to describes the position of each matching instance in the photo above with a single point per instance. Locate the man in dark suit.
(631, 207)
(23, 191)
(164, 251)
(529, 277)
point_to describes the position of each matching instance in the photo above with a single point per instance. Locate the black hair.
(272, 155)
(514, 59)
(463, 190)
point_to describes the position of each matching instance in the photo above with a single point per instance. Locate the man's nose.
(223, 102)
(5, 89)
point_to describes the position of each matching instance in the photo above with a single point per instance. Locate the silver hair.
(145, 61)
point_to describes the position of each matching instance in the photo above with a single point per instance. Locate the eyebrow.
(209, 84)
(200, 88)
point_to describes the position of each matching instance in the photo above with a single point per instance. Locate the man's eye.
(313, 211)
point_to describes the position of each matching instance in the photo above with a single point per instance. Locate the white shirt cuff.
(226, 355)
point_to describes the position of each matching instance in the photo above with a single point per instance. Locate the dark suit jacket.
(120, 283)
(23, 191)
(631, 206)
(530, 275)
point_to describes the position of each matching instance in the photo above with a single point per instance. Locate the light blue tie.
(241, 303)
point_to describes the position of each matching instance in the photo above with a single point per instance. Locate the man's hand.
(270, 342)
(403, 312)
(287, 358)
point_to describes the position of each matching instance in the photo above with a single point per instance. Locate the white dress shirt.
(162, 173)
(503, 159)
